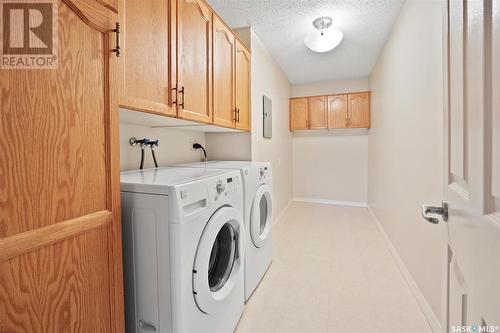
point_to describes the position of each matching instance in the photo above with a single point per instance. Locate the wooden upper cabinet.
(359, 110)
(337, 111)
(168, 67)
(223, 73)
(299, 109)
(145, 64)
(60, 248)
(242, 81)
(332, 112)
(193, 60)
(317, 112)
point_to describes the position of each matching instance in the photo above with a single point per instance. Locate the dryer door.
(261, 215)
(217, 267)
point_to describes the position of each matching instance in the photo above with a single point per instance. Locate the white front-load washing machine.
(183, 236)
(257, 198)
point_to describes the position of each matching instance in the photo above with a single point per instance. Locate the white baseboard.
(278, 219)
(417, 293)
(332, 202)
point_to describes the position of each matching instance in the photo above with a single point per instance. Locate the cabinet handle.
(175, 101)
(182, 98)
(116, 30)
(234, 114)
(238, 114)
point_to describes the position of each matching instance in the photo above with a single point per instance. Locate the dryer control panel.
(262, 171)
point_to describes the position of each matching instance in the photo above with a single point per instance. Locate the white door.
(472, 168)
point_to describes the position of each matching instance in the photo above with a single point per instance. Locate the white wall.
(268, 79)
(175, 146)
(326, 88)
(405, 143)
(331, 165)
(229, 146)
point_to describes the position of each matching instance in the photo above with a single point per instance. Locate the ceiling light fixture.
(324, 37)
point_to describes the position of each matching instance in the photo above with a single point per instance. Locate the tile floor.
(331, 273)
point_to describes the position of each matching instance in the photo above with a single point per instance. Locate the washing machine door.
(217, 267)
(261, 215)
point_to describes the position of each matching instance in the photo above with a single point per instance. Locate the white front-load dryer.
(183, 236)
(257, 198)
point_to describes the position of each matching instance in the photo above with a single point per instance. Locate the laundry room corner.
(268, 79)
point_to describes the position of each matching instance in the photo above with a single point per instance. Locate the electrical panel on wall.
(267, 116)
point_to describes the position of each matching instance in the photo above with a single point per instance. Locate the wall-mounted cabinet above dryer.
(181, 60)
(231, 83)
(350, 110)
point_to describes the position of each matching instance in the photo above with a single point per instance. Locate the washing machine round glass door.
(261, 215)
(217, 264)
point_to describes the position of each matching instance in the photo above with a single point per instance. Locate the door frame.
(445, 253)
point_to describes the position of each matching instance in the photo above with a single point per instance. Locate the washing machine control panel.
(227, 186)
(220, 186)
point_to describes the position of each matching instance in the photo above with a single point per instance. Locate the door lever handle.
(427, 211)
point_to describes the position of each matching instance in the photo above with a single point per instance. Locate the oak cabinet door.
(359, 110)
(193, 58)
(242, 78)
(317, 112)
(60, 234)
(111, 4)
(224, 76)
(337, 111)
(299, 108)
(145, 64)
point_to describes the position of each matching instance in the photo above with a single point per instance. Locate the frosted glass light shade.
(323, 40)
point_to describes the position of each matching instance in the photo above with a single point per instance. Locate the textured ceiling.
(282, 25)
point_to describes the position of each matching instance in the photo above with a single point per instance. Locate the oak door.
(146, 51)
(60, 234)
(318, 112)
(472, 164)
(193, 59)
(337, 111)
(359, 110)
(299, 109)
(243, 110)
(224, 76)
